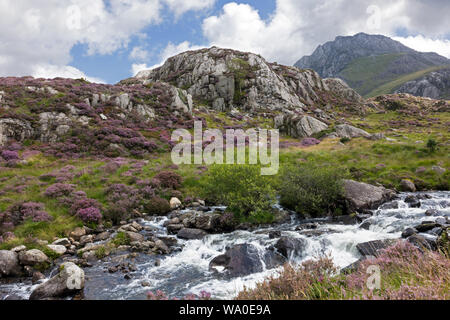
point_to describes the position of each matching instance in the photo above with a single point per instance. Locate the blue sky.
(110, 40)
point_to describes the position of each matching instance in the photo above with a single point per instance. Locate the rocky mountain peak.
(226, 79)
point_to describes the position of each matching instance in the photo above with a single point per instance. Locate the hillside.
(373, 64)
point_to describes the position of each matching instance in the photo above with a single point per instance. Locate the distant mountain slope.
(372, 64)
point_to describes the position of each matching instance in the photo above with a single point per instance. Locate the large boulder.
(32, 257)
(288, 246)
(9, 264)
(191, 234)
(245, 259)
(348, 131)
(68, 281)
(362, 196)
(373, 248)
(299, 126)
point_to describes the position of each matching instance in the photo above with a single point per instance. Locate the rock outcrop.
(68, 281)
(245, 259)
(362, 196)
(9, 264)
(435, 85)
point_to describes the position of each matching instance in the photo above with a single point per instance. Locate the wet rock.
(174, 228)
(345, 220)
(373, 248)
(413, 201)
(145, 284)
(366, 225)
(245, 259)
(420, 242)
(441, 221)
(274, 234)
(102, 236)
(68, 281)
(32, 257)
(431, 212)
(435, 231)
(307, 226)
(409, 232)
(191, 234)
(360, 196)
(162, 247)
(86, 239)
(59, 249)
(288, 246)
(426, 226)
(78, 233)
(9, 264)
(37, 276)
(407, 186)
(133, 236)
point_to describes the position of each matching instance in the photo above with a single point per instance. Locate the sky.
(110, 40)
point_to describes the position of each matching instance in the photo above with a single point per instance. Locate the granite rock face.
(435, 85)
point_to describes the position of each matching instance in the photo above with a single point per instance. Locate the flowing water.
(187, 269)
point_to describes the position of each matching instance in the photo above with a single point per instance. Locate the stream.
(186, 270)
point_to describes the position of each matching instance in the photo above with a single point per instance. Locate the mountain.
(372, 64)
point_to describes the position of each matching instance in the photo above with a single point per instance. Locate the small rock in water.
(366, 225)
(409, 232)
(274, 234)
(37, 276)
(431, 212)
(145, 284)
(157, 262)
(127, 277)
(407, 185)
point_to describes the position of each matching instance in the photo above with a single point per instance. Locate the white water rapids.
(187, 270)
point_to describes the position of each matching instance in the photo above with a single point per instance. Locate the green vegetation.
(311, 190)
(121, 239)
(248, 194)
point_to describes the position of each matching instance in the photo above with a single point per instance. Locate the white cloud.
(179, 7)
(297, 27)
(138, 67)
(51, 71)
(169, 51)
(139, 54)
(422, 44)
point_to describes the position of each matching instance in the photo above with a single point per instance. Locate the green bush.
(121, 239)
(156, 206)
(432, 145)
(311, 190)
(248, 194)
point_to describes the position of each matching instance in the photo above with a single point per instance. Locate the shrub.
(344, 140)
(242, 188)
(432, 145)
(9, 155)
(157, 206)
(59, 189)
(121, 239)
(83, 203)
(168, 179)
(312, 190)
(90, 215)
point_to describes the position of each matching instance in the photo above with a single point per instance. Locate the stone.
(360, 196)
(159, 244)
(19, 248)
(69, 281)
(431, 212)
(9, 264)
(420, 242)
(299, 126)
(439, 170)
(62, 242)
(245, 259)
(174, 228)
(191, 234)
(175, 203)
(407, 185)
(288, 246)
(409, 232)
(348, 131)
(102, 236)
(274, 234)
(366, 224)
(87, 239)
(426, 226)
(78, 233)
(37, 276)
(59, 249)
(373, 248)
(32, 257)
(133, 236)
(413, 201)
